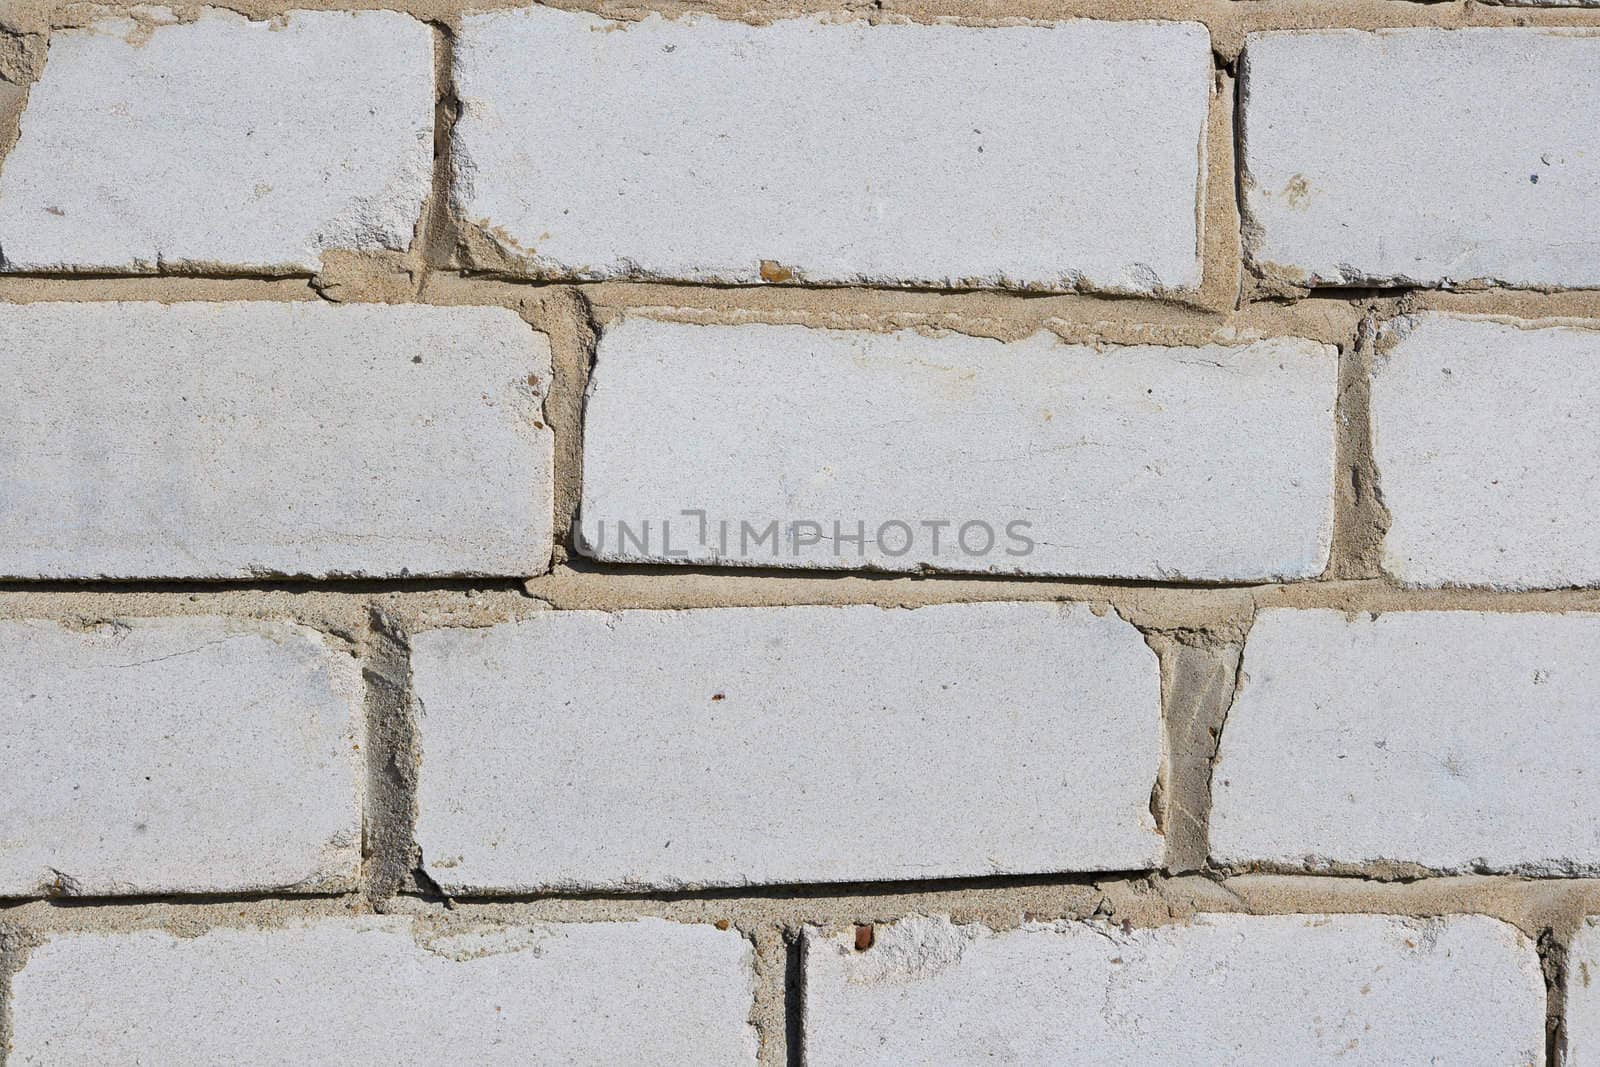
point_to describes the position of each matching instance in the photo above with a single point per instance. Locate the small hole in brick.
(863, 937)
(719, 696)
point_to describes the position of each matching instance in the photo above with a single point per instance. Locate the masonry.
(1048, 531)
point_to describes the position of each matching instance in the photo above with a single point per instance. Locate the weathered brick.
(185, 755)
(801, 744)
(1583, 996)
(221, 142)
(1453, 740)
(1485, 435)
(1332, 989)
(1422, 156)
(1203, 463)
(385, 989)
(247, 439)
(836, 152)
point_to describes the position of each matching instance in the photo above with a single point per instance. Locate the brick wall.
(940, 532)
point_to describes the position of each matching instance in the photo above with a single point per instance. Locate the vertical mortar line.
(21, 64)
(1160, 793)
(437, 239)
(567, 319)
(16, 941)
(1553, 948)
(1222, 233)
(1239, 74)
(794, 990)
(1360, 519)
(7, 969)
(769, 1009)
(1199, 673)
(389, 850)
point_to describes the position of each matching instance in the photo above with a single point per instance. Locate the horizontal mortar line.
(160, 900)
(558, 590)
(1024, 304)
(1000, 887)
(467, 276)
(801, 890)
(1077, 587)
(582, 568)
(241, 274)
(349, 587)
(1186, 301)
(1280, 894)
(1217, 15)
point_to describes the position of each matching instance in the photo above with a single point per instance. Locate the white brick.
(190, 755)
(1485, 435)
(378, 989)
(1307, 989)
(221, 143)
(1583, 996)
(848, 153)
(804, 744)
(1458, 741)
(240, 440)
(1210, 464)
(1422, 156)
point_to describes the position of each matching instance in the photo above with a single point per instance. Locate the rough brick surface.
(240, 440)
(733, 746)
(1211, 464)
(378, 989)
(1334, 989)
(1458, 741)
(1477, 161)
(221, 142)
(186, 755)
(835, 152)
(1583, 996)
(1485, 435)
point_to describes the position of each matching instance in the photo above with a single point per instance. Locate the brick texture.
(1126, 462)
(1477, 162)
(368, 989)
(200, 755)
(1583, 996)
(1333, 988)
(247, 439)
(222, 141)
(1474, 418)
(729, 747)
(910, 533)
(834, 152)
(1458, 741)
